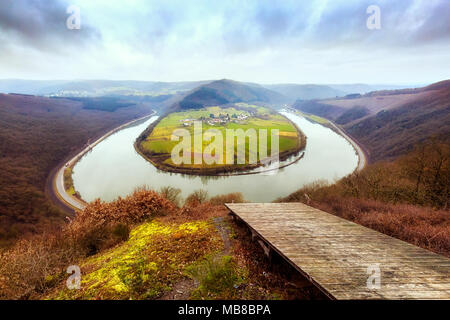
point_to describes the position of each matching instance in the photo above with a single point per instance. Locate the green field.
(313, 117)
(158, 145)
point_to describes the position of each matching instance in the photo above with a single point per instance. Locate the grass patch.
(314, 118)
(218, 277)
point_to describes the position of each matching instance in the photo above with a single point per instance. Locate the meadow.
(158, 145)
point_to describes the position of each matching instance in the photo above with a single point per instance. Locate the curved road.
(58, 182)
(362, 162)
(361, 154)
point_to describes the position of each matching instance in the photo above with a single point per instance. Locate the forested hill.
(227, 91)
(36, 134)
(389, 123)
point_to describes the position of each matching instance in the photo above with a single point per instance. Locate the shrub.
(204, 210)
(197, 197)
(171, 194)
(236, 197)
(121, 232)
(34, 265)
(99, 237)
(217, 277)
(138, 207)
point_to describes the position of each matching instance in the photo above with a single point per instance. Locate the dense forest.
(36, 134)
(109, 104)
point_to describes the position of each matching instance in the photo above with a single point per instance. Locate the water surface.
(113, 168)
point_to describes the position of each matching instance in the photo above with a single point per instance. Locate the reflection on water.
(113, 168)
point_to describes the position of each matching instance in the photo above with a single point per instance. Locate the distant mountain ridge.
(326, 91)
(98, 88)
(95, 88)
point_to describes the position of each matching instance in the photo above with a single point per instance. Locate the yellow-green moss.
(147, 264)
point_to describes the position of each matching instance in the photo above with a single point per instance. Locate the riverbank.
(224, 171)
(363, 158)
(362, 155)
(55, 183)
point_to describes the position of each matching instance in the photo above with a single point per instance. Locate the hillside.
(389, 123)
(227, 91)
(304, 92)
(36, 134)
(363, 88)
(144, 246)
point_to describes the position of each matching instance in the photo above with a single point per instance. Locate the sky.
(314, 41)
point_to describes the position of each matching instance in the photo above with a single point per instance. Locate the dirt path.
(224, 231)
(182, 289)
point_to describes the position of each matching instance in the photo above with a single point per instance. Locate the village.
(221, 119)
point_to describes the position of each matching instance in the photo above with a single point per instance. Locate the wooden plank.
(334, 253)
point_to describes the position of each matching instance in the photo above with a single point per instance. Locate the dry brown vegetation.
(392, 133)
(407, 198)
(36, 134)
(37, 263)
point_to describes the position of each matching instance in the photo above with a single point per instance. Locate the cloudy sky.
(265, 41)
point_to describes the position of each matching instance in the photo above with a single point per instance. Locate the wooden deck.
(335, 254)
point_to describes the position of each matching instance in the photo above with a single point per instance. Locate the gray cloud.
(343, 23)
(177, 38)
(437, 25)
(41, 24)
(246, 25)
(260, 24)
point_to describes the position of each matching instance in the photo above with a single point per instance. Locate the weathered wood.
(335, 254)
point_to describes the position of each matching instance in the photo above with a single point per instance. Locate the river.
(113, 168)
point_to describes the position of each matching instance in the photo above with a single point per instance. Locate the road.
(362, 162)
(361, 154)
(57, 190)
